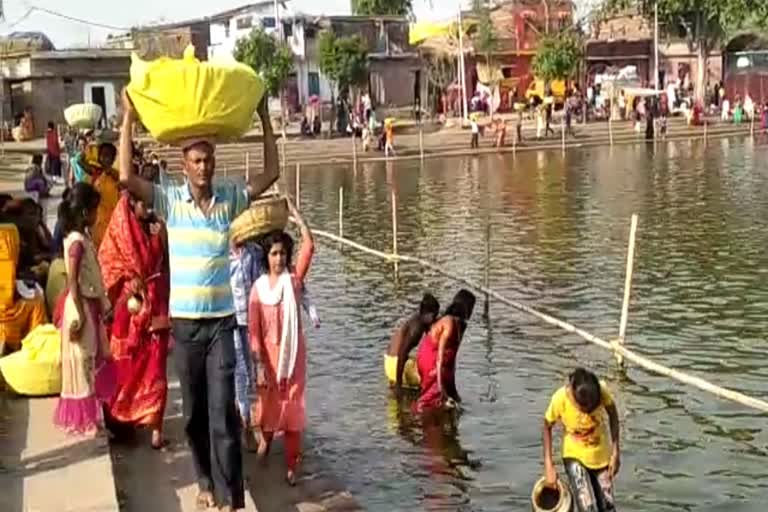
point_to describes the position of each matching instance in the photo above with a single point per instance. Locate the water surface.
(557, 227)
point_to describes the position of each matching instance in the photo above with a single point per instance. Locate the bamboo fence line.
(616, 348)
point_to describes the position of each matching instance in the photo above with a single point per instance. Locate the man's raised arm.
(136, 185)
(259, 183)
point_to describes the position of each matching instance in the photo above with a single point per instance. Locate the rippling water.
(558, 231)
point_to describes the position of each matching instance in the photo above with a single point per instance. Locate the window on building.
(245, 22)
(226, 29)
(268, 22)
(313, 83)
(309, 32)
(288, 29)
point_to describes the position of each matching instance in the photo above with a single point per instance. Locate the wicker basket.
(83, 115)
(264, 215)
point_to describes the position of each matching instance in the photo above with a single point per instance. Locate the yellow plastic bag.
(35, 370)
(182, 99)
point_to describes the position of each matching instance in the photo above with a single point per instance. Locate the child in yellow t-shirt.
(590, 457)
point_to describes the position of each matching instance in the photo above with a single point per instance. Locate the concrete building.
(229, 26)
(165, 40)
(627, 39)
(745, 64)
(48, 81)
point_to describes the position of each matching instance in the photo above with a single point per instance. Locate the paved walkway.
(43, 470)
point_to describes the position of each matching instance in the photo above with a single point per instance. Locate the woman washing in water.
(87, 376)
(278, 340)
(436, 358)
(134, 262)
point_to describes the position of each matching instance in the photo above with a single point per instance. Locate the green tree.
(705, 23)
(271, 59)
(344, 61)
(557, 57)
(382, 7)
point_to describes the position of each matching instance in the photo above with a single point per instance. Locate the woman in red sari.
(436, 359)
(134, 262)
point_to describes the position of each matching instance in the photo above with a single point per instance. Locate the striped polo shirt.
(198, 248)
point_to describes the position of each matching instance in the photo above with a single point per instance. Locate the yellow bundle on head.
(179, 99)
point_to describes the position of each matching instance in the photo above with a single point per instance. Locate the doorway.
(103, 95)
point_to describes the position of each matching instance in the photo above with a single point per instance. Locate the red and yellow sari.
(139, 342)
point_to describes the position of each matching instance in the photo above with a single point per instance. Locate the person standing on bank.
(198, 214)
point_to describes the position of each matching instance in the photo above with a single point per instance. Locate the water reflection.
(441, 457)
(558, 232)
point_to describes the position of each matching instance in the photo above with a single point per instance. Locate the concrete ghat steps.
(43, 470)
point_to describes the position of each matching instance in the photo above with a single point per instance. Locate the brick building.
(49, 81)
(166, 40)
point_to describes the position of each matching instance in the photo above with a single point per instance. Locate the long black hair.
(277, 236)
(76, 207)
(585, 387)
(462, 305)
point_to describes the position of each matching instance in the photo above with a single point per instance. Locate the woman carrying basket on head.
(277, 338)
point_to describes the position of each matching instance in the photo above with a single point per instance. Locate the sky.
(128, 13)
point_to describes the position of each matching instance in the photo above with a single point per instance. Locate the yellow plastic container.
(9, 257)
(35, 370)
(179, 99)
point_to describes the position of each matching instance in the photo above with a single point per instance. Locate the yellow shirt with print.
(586, 437)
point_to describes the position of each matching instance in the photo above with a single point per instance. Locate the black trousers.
(205, 361)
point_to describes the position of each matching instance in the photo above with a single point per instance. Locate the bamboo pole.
(354, 150)
(394, 222)
(610, 130)
(706, 131)
(562, 126)
(282, 149)
(298, 185)
(487, 277)
(627, 286)
(639, 360)
(421, 140)
(247, 166)
(341, 211)
(752, 125)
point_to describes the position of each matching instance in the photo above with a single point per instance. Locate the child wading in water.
(591, 459)
(87, 375)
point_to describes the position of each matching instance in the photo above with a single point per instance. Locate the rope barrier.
(613, 346)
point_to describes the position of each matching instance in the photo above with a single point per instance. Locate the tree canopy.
(271, 59)
(382, 7)
(705, 23)
(557, 57)
(485, 39)
(344, 60)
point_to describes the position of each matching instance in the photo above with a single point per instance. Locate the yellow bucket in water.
(547, 499)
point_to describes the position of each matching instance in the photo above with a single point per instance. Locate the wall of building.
(392, 81)
(154, 42)
(224, 33)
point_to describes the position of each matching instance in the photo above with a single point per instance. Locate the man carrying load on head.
(198, 214)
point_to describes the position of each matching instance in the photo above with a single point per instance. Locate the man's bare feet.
(204, 500)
